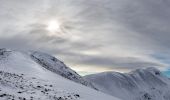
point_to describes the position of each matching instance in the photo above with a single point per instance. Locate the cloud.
(107, 34)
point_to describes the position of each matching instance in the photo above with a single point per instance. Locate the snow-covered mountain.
(53, 64)
(39, 76)
(141, 84)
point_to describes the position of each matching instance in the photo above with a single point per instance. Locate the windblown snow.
(141, 84)
(39, 76)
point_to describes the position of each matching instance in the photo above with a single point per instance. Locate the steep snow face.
(142, 84)
(53, 64)
(31, 61)
(22, 78)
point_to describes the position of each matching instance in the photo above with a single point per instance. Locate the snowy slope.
(53, 64)
(23, 78)
(141, 84)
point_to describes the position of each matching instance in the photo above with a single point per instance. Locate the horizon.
(91, 36)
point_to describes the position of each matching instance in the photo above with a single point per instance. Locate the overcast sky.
(92, 35)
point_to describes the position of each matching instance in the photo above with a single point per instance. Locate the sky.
(91, 36)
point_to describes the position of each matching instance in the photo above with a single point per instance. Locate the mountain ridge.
(50, 63)
(22, 78)
(141, 84)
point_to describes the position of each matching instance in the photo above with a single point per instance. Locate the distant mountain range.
(141, 84)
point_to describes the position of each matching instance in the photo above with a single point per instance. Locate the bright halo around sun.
(53, 26)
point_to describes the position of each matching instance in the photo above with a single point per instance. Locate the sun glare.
(53, 26)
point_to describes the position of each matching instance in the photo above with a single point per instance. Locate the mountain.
(141, 84)
(38, 76)
(53, 64)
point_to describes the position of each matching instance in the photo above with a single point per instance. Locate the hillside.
(34, 76)
(141, 84)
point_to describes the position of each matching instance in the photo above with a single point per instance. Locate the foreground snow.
(14, 86)
(142, 84)
(23, 78)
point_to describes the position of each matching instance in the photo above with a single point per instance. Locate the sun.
(53, 26)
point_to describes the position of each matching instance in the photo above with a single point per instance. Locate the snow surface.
(141, 84)
(23, 77)
(58, 67)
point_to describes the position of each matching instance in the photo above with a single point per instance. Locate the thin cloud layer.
(105, 34)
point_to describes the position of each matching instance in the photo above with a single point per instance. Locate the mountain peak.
(39, 76)
(24, 60)
(152, 70)
(141, 84)
(53, 64)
